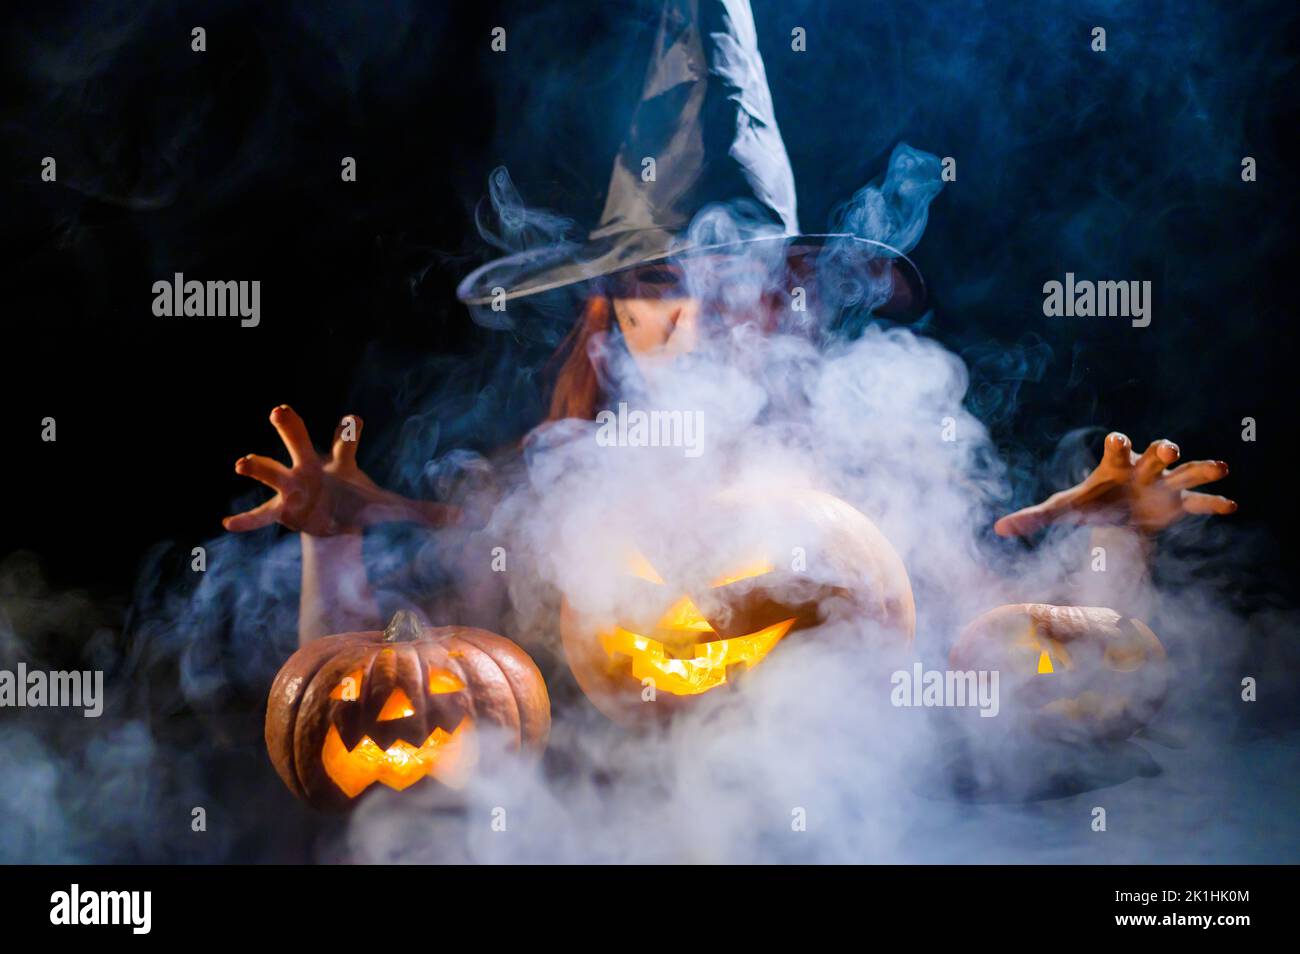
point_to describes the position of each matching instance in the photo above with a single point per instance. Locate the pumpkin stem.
(405, 626)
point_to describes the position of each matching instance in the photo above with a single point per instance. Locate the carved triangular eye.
(640, 567)
(443, 681)
(349, 690)
(760, 568)
(398, 706)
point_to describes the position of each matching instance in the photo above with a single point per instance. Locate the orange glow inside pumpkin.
(684, 617)
(446, 756)
(396, 706)
(1049, 653)
(761, 568)
(349, 690)
(680, 661)
(706, 670)
(443, 681)
(640, 567)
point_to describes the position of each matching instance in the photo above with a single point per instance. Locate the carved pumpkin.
(767, 566)
(396, 707)
(1082, 671)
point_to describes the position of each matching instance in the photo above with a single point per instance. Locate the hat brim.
(557, 266)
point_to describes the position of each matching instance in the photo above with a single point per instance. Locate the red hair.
(577, 383)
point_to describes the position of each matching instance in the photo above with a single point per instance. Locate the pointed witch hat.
(705, 117)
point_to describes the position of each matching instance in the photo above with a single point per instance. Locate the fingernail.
(1223, 465)
(1234, 506)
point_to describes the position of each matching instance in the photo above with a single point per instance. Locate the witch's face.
(661, 310)
(655, 314)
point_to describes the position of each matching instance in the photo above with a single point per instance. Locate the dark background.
(225, 165)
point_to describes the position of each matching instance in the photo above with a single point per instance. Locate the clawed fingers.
(1158, 455)
(260, 516)
(270, 472)
(1207, 503)
(346, 437)
(1137, 488)
(1194, 473)
(293, 432)
(1117, 450)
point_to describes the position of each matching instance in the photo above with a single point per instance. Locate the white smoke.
(809, 761)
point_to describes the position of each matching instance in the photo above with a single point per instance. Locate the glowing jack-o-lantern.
(1072, 671)
(410, 703)
(763, 566)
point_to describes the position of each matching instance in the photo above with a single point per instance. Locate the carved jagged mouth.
(445, 756)
(707, 668)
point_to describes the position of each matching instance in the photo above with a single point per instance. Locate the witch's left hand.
(1141, 490)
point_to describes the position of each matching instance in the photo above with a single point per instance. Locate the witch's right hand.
(319, 495)
(323, 495)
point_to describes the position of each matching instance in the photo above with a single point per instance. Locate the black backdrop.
(223, 163)
(226, 164)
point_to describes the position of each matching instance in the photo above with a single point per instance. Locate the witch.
(709, 245)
